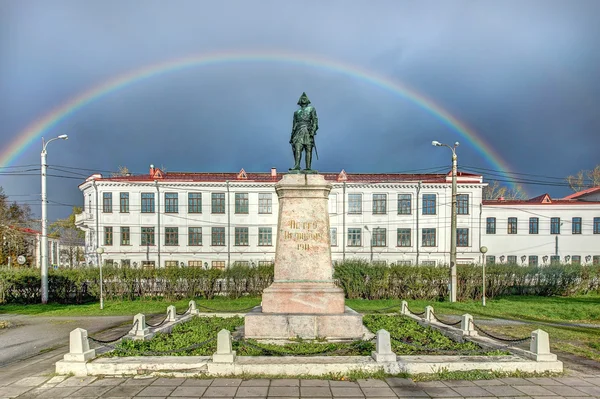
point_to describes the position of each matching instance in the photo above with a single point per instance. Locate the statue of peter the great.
(304, 129)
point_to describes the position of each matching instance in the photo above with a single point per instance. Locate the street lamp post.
(483, 250)
(371, 240)
(100, 251)
(44, 243)
(453, 278)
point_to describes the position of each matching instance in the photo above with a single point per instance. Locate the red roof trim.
(581, 193)
(529, 202)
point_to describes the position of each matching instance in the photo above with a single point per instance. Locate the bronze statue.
(304, 129)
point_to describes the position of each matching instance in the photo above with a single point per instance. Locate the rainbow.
(34, 131)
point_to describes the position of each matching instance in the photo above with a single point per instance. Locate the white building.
(216, 219)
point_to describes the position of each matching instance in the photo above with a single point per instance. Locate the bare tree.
(123, 171)
(72, 239)
(495, 190)
(584, 179)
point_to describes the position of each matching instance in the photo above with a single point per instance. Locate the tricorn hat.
(303, 99)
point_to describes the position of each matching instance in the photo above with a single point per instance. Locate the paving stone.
(139, 381)
(107, 382)
(283, 390)
(154, 390)
(410, 392)
(124, 390)
(226, 382)
(315, 392)
(314, 383)
(379, 391)
(400, 382)
(343, 384)
(347, 392)
(487, 383)
(594, 391)
(503, 391)
(458, 383)
(56, 379)
(55, 393)
(188, 391)
(220, 391)
(544, 381)
(252, 391)
(573, 381)
(13, 391)
(445, 392)
(515, 381)
(256, 383)
(30, 381)
(564, 390)
(593, 380)
(197, 382)
(534, 390)
(372, 383)
(431, 384)
(93, 392)
(168, 382)
(473, 391)
(76, 382)
(285, 382)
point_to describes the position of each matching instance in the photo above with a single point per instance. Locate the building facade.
(218, 219)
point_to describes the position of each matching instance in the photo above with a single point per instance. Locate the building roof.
(582, 193)
(543, 199)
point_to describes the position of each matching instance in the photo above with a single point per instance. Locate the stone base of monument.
(303, 297)
(281, 326)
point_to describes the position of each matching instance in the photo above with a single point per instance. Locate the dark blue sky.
(523, 74)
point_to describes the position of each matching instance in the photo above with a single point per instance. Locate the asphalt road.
(31, 335)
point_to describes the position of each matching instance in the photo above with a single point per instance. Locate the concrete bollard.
(171, 313)
(193, 309)
(404, 308)
(540, 346)
(224, 353)
(466, 325)
(79, 347)
(383, 348)
(140, 329)
(429, 313)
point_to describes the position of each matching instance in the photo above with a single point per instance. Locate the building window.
(429, 204)
(241, 236)
(242, 263)
(124, 202)
(379, 204)
(265, 237)
(379, 237)
(107, 202)
(218, 202)
(534, 225)
(462, 204)
(404, 237)
(428, 238)
(218, 236)
(147, 202)
(554, 225)
(194, 202)
(462, 237)
(490, 226)
(171, 203)
(533, 260)
(596, 260)
(148, 264)
(194, 236)
(576, 259)
(125, 236)
(404, 263)
(512, 225)
(404, 204)
(354, 237)
(194, 263)
(332, 203)
(511, 259)
(241, 203)
(218, 264)
(108, 236)
(125, 263)
(428, 263)
(355, 204)
(265, 263)
(576, 226)
(171, 264)
(555, 260)
(490, 260)
(333, 236)
(171, 236)
(265, 203)
(147, 237)
(596, 225)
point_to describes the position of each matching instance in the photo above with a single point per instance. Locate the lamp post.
(453, 278)
(371, 240)
(44, 243)
(100, 251)
(483, 250)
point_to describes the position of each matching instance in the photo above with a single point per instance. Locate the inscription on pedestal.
(301, 232)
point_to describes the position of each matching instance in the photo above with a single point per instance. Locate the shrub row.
(359, 279)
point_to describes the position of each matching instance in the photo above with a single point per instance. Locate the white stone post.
(466, 325)
(193, 309)
(383, 348)
(540, 346)
(224, 353)
(429, 313)
(171, 313)
(404, 308)
(139, 330)
(79, 347)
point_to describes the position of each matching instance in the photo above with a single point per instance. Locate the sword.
(315, 147)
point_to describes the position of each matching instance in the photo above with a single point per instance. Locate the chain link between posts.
(444, 322)
(99, 341)
(512, 340)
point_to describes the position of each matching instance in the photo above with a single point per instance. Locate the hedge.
(358, 278)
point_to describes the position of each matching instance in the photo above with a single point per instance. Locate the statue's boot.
(308, 159)
(297, 158)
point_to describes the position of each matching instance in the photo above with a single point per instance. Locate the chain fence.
(512, 340)
(100, 341)
(445, 322)
(184, 313)
(225, 311)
